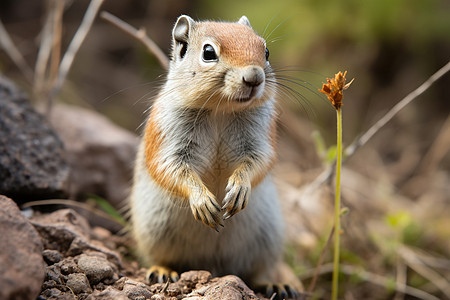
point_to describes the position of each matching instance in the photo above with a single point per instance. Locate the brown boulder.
(21, 262)
(100, 153)
(69, 233)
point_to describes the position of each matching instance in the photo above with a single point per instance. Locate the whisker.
(267, 26)
(267, 38)
(296, 69)
(126, 89)
(291, 93)
(313, 89)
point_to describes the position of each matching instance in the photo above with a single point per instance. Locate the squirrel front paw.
(236, 199)
(205, 208)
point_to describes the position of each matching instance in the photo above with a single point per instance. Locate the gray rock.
(101, 154)
(54, 293)
(227, 287)
(136, 290)
(51, 256)
(78, 283)
(109, 293)
(96, 268)
(60, 228)
(69, 233)
(69, 266)
(201, 285)
(21, 263)
(53, 273)
(32, 162)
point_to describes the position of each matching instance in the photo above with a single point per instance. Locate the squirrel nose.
(253, 76)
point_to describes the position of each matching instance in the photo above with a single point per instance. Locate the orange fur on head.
(231, 48)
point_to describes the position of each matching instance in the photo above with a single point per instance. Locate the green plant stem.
(337, 206)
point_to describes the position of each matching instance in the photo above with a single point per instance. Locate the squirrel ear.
(181, 29)
(244, 21)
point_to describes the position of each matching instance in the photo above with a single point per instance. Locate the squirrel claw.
(279, 291)
(205, 209)
(235, 200)
(160, 274)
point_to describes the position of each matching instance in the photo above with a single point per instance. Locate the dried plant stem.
(43, 56)
(362, 140)
(435, 278)
(312, 285)
(50, 47)
(337, 207)
(401, 279)
(72, 203)
(74, 46)
(14, 53)
(56, 40)
(139, 35)
(373, 278)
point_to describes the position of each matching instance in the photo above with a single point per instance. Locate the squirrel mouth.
(243, 98)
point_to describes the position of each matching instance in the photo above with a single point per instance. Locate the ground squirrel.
(206, 152)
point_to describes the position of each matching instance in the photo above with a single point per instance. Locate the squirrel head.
(219, 66)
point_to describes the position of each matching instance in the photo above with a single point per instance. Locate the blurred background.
(397, 187)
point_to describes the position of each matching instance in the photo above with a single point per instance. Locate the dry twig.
(401, 279)
(14, 53)
(431, 261)
(373, 278)
(312, 285)
(139, 35)
(438, 149)
(43, 55)
(57, 16)
(74, 46)
(364, 138)
(71, 203)
(50, 47)
(414, 263)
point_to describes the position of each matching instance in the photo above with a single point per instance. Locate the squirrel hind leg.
(280, 284)
(161, 274)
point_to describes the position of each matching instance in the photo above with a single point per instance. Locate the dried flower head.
(334, 89)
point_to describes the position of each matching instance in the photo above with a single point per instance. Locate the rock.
(227, 287)
(69, 266)
(69, 233)
(100, 153)
(78, 283)
(53, 274)
(109, 293)
(201, 285)
(21, 262)
(195, 277)
(32, 162)
(95, 267)
(51, 256)
(136, 290)
(59, 229)
(51, 292)
(54, 293)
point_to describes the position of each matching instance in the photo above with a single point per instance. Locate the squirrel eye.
(267, 54)
(209, 54)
